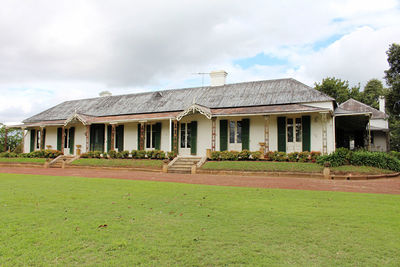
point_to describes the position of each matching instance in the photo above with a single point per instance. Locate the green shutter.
(282, 134)
(120, 138)
(138, 136)
(33, 136)
(193, 137)
(157, 144)
(44, 138)
(223, 135)
(59, 138)
(245, 134)
(71, 140)
(306, 126)
(109, 138)
(97, 137)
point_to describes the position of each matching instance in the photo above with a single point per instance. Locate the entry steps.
(183, 164)
(58, 162)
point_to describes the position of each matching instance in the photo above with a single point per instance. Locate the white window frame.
(152, 145)
(187, 144)
(235, 132)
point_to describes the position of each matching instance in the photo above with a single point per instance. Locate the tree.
(338, 89)
(392, 77)
(372, 90)
(14, 138)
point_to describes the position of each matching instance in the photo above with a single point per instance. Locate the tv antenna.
(202, 76)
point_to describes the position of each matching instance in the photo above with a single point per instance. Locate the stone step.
(178, 171)
(180, 168)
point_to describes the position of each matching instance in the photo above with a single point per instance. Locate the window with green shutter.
(97, 137)
(306, 120)
(33, 136)
(59, 138)
(245, 134)
(193, 137)
(109, 130)
(119, 142)
(138, 136)
(157, 133)
(71, 140)
(282, 134)
(223, 135)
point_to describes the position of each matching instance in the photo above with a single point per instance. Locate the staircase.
(57, 162)
(183, 164)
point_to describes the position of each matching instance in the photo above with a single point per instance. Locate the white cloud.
(74, 49)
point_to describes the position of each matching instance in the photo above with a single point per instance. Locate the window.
(66, 143)
(150, 136)
(298, 129)
(235, 132)
(290, 130)
(185, 135)
(38, 139)
(294, 130)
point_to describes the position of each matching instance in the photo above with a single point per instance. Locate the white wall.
(130, 136)
(327, 105)
(380, 123)
(379, 142)
(51, 137)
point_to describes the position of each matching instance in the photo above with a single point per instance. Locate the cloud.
(61, 50)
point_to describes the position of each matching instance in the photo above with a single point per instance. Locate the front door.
(185, 135)
(294, 138)
(97, 137)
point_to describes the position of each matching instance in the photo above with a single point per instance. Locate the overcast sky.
(53, 50)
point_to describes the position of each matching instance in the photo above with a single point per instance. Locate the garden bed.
(23, 160)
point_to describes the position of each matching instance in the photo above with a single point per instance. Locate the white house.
(282, 114)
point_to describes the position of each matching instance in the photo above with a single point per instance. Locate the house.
(270, 115)
(354, 134)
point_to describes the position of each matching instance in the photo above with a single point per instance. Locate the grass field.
(23, 160)
(119, 162)
(48, 220)
(285, 166)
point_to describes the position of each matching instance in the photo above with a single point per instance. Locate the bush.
(35, 154)
(215, 155)
(270, 155)
(304, 156)
(256, 155)
(125, 154)
(229, 155)
(244, 154)
(293, 157)
(171, 155)
(280, 156)
(112, 154)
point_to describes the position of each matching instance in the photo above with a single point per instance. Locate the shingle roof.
(354, 106)
(247, 94)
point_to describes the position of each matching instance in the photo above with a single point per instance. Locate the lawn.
(23, 160)
(119, 163)
(285, 166)
(49, 220)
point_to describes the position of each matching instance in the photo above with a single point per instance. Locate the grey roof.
(352, 106)
(247, 94)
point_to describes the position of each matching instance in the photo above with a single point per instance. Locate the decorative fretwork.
(213, 133)
(62, 139)
(266, 133)
(324, 134)
(175, 137)
(87, 135)
(112, 136)
(142, 127)
(193, 109)
(75, 118)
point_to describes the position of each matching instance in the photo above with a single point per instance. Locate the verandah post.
(142, 124)
(113, 136)
(87, 134)
(63, 139)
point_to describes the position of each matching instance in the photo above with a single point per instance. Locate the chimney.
(382, 104)
(218, 78)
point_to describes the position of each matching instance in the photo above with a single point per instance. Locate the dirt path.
(383, 186)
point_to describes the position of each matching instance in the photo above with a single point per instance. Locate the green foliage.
(142, 163)
(171, 155)
(244, 154)
(92, 155)
(392, 77)
(235, 155)
(14, 139)
(372, 90)
(338, 89)
(47, 153)
(112, 154)
(343, 156)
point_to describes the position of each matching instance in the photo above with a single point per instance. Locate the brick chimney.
(218, 77)
(382, 104)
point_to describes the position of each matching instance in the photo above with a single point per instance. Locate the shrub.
(171, 155)
(229, 155)
(269, 155)
(256, 155)
(395, 154)
(314, 155)
(96, 154)
(120, 155)
(375, 159)
(280, 156)
(112, 154)
(304, 156)
(293, 156)
(125, 154)
(215, 155)
(338, 158)
(244, 154)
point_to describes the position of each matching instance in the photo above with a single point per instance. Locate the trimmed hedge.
(343, 156)
(44, 153)
(136, 154)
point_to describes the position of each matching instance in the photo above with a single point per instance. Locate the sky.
(54, 50)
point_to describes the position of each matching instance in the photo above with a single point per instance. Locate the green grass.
(23, 160)
(262, 166)
(119, 162)
(285, 166)
(49, 220)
